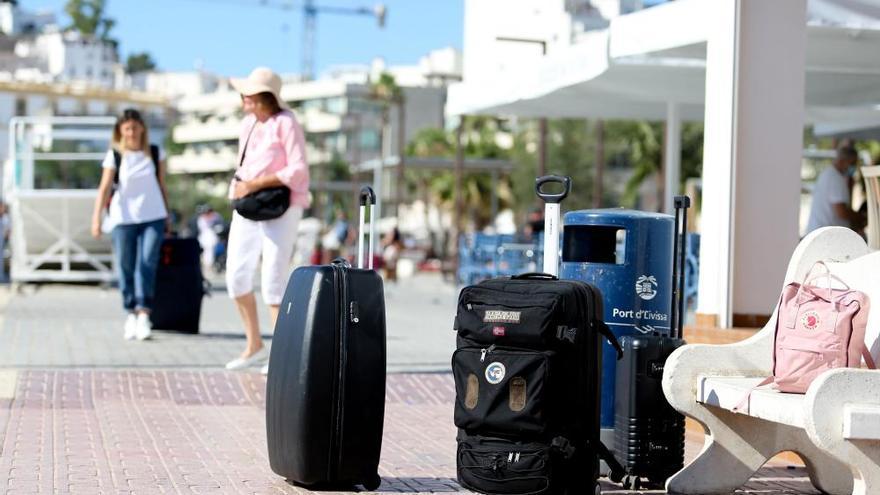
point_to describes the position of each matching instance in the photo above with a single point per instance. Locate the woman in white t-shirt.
(133, 181)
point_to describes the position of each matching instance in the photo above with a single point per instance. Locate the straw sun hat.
(260, 80)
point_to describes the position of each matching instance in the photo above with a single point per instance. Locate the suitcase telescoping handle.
(367, 196)
(679, 247)
(551, 219)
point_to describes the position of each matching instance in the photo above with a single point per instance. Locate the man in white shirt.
(831, 195)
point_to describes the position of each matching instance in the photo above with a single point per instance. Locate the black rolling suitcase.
(648, 432)
(526, 372)
(180, 287)
(325, 392)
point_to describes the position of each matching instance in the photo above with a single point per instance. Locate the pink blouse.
(276, 146)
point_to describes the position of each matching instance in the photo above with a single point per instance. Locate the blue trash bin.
(627, 254)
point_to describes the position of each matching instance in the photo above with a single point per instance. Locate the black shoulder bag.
(264, 204)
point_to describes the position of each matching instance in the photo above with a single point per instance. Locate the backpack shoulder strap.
(117, 160)
(154, 154)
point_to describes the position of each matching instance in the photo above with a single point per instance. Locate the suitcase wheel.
(631, 482)
(615, 476)
(373, 482)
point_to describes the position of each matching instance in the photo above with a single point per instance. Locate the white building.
(15, 21)
(71, 57)
(528, 30)
(174, 85)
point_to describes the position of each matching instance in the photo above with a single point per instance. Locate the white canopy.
(646, 60)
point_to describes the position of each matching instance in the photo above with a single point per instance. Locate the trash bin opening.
(594, 244)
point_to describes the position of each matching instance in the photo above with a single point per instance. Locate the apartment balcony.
(212, 130)
(205, 161)
(320, 122)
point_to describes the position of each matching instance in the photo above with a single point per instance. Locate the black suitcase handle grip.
(534, 276)
(553, 179)
(367, 195)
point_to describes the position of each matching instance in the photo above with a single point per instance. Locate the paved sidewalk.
(83, 411)
(193, 431)
(81, 326)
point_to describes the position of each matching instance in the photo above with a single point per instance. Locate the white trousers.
(274, 240)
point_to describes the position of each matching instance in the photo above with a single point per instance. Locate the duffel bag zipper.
(470, 306)
(484, 352)
(498, 461)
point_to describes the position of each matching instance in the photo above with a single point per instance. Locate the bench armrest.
(841, 406)
(751, 357)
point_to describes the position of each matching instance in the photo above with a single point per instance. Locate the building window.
(20, 106)
(370, 140)
(335, 105)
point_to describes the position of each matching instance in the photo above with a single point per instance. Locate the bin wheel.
(373, 482)
(597, 490)
(615, 476)
(631, 482)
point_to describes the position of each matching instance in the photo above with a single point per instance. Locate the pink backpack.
(817, 329)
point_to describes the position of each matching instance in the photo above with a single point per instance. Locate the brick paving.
(195, 431)
(82, 411)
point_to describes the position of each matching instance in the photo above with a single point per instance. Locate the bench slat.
(766, 403)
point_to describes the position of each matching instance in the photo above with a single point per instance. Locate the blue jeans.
(137, 257)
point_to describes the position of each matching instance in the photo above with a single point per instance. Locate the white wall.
(752, 154)
(487, 20)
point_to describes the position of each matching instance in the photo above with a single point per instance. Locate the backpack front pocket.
(516, 320)
(800, 359)
(502, 390)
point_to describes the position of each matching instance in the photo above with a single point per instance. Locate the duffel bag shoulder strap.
(593, 301)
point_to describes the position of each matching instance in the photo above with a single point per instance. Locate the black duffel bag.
(264, 204)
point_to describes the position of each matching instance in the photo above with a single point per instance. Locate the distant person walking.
(133, 181)
(4, 237)
(831, 195)
(272, 154)
(207, 222)
(392, 246)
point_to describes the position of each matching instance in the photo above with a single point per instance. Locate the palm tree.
(386, 90)
(478, 141)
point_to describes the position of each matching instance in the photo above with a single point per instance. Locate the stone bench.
(834, 427)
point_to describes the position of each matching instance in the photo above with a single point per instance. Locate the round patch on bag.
(810, 320)
(495, 373)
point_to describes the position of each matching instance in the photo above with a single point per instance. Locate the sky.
(230, 37)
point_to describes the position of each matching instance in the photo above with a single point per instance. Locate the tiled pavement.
(195, 431)
(81, 411)
(77, 326)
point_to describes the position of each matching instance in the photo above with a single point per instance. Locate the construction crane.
(310, 17)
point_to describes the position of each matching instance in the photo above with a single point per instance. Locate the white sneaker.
(142, 327)
(265, 369)
(130, 327)
(246, 362)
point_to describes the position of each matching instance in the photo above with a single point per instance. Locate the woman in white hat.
(272, 155)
